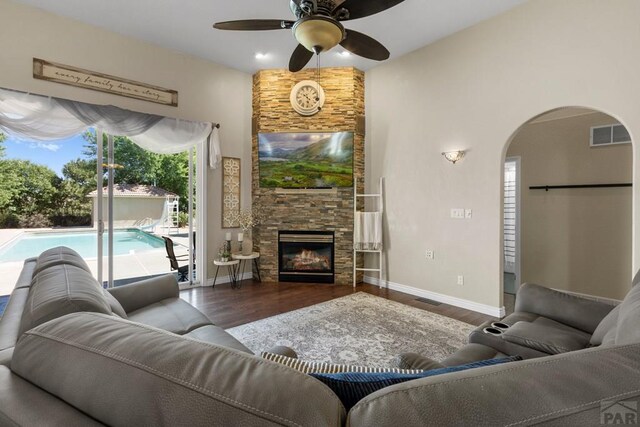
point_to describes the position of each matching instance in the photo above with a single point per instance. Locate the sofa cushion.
(607, 324)
(627, 329)
(60, 290)
(543, 338)
(171, 314)
(216, 335)
(59, 255)
(351, 387)
(125, 373)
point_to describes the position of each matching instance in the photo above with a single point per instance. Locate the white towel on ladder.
(368, 231)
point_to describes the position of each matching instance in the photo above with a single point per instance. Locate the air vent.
(428, 301)
(609, 135)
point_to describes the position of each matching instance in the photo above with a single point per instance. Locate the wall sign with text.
(79, 77)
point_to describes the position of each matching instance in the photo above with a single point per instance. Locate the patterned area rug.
(359, 329)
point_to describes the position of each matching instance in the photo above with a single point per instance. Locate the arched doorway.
(567, 209)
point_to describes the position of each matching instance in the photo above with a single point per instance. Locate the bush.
(9, 220)
(71, 220)
(183, 219)
(37, 220)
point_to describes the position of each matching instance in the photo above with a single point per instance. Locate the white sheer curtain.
(28, 116)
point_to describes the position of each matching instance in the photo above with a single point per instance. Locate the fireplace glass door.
(306, 257)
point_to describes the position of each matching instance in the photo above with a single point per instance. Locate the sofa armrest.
(146, 292)
(544, 338)
(580, 313)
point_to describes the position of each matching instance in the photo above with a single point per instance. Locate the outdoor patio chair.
(183, 272)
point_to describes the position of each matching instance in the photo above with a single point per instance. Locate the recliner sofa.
(78, 362)
(545, 322)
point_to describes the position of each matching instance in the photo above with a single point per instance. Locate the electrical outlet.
(461, 280)
(457, 213)
(468, 213)
(429, 254)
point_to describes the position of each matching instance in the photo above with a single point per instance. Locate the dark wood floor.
(228, 307)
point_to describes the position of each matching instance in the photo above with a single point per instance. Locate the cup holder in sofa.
(492, 331)
(499, 325)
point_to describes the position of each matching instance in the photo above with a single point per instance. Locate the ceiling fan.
(318, 28)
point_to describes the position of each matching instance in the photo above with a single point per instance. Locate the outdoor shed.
(134, 205)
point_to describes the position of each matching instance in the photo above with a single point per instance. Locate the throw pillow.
(329, 368)
(351, 387)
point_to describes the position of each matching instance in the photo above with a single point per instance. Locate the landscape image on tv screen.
(306, 160)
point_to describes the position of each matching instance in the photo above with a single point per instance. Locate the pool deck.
(147, 263)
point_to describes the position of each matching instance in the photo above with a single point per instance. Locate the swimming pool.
(32, 244)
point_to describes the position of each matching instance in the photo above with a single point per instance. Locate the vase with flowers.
(247, 219)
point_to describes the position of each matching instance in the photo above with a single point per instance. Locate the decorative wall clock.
(307, 98)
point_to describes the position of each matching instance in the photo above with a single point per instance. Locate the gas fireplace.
(306, 256)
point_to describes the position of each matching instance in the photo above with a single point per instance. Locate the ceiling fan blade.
(299, 58)
(365, 46)
(361, 8)
(254, 25)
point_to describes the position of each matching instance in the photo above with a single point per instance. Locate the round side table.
(243, 259)
(232, 268)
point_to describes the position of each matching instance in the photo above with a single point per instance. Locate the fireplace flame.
(310, 260)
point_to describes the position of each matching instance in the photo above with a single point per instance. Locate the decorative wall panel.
(230, 192)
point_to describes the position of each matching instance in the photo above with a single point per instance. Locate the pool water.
(84, 242)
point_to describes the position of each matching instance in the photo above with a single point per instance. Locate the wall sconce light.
(453, 156)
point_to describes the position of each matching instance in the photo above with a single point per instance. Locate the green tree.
(82, 172)
(27, 190)
(139, 166)
(2, 148)
(74, 207)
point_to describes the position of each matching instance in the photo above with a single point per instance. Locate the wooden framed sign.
(79, 77)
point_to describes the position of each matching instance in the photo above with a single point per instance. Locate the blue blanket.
(3, 303)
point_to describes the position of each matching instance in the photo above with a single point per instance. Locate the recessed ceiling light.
(344, 54)
(261, 55)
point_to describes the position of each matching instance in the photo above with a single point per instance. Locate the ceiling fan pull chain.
(318, 79)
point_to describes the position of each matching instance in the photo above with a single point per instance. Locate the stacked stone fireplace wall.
(307, 210)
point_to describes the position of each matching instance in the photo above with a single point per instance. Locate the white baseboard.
(445, 299)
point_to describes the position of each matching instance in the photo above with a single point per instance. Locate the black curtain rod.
(217, 126)
(555, 187)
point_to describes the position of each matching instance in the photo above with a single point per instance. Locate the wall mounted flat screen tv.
(306, 160)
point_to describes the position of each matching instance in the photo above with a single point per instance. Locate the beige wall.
(207, 91)
(574, 239)
(472, 91)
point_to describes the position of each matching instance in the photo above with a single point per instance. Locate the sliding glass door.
(147, 224)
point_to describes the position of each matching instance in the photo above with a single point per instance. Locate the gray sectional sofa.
(73, 354)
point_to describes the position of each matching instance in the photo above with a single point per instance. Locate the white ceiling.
(186, 26)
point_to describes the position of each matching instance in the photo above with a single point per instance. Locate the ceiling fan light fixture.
(318, 33)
